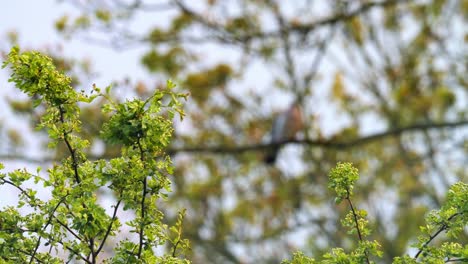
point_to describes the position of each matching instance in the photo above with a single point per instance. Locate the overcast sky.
(34, 22)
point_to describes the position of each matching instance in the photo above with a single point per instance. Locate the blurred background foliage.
(381, 84)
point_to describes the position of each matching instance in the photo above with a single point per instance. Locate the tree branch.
(356, 223)
(69, 146)
(49, 221)
(109, 228)
(431, 237)
(327, 144)
(343, 16)
(301, 28)
(142, 203)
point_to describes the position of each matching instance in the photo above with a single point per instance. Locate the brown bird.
(285, 127)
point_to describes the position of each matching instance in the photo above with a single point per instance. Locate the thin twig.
(114, 216)
(49, 221)
(143, 209)
(70, 148)
(356, 222)
(431, 237)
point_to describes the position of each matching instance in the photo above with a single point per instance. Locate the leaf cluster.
(451, 218)
(73, 224)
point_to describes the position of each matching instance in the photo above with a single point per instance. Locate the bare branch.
(109, 228)
(328, 144)
(296, 28)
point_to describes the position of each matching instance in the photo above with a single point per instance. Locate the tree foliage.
(451, 219)
(72, 224)
(382, 84)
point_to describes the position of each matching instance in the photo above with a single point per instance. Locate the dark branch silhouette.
(219, 33)
(329, 144)
(326, 144)
(299, 28)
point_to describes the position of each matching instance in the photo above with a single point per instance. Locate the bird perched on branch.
(285, 127)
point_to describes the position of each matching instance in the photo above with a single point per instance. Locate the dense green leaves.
(452, 218)
(342, 179)
(73, 220)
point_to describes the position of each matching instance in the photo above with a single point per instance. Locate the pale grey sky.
(34, 22)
